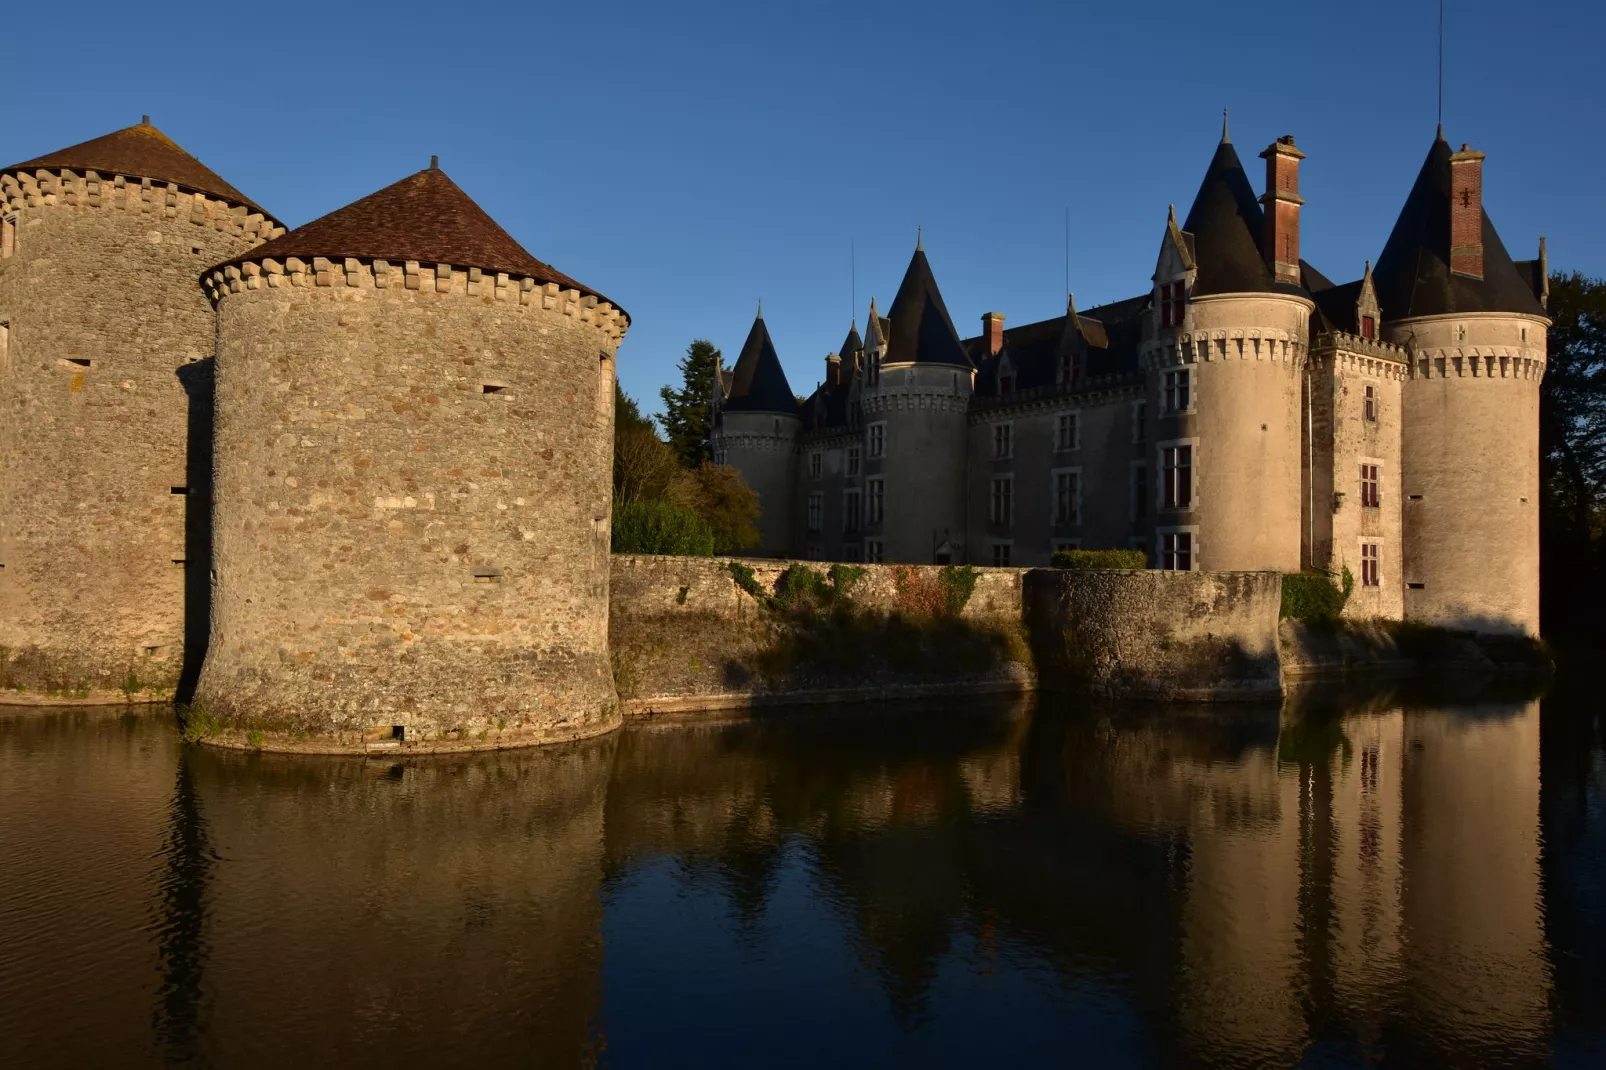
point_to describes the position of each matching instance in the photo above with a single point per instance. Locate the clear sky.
(687, 159)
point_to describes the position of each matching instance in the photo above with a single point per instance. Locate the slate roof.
(828, 406)
(1413, 275)
(1225, 222)
(921, 330)
(141, 151)
(425, 217)
(758, 382)
(1111, 332)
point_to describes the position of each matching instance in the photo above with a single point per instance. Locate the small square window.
(875, 551)
(1001, 554)
(1178, 394)
(1176, 551)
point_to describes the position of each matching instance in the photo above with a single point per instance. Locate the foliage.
(845, 577)
(958, 583)
(1572, 458)
(644, 467)
(746, 580)
(1099, 559)
(688, 411)
(627, 413)
(918, 594)
(660, 528)
(1311, 596)
(718, 494)
(196, 723)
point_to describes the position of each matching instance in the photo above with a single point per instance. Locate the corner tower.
(1224, 358)
(756, 432)
(414, 441)
(105, 408)
(1475, 331)
(916, 402)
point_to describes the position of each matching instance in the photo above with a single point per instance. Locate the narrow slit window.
(178, 490)
(487, 574)
(82, 362)
(492, 388)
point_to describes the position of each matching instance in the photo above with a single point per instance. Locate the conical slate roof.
(850, 345)
(425, 217)
(1413, 275)
(922, 331)
(141, 151)
(1226, 223)
(758, 383)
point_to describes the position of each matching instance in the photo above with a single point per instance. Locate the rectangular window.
(853, 460)
(872, 372)
(1371, 498)
(1369, 558)
(1001, 554)
(1176, 465)
(1140, 491)
(1068, 432)
(852, 552)
(875, 551)
(1370, 403)
(1067, 544)
(1368, 327)
(875, 506)
(1176, 551)
(816, 512)
(851, 515)
(5, 344)
(1067, 491)
(876, 436)
(1173, 303)
(1003, 441)
(1177, 393)
(1001, 503)
(8, 236)
(1140, 421)
(815, 465)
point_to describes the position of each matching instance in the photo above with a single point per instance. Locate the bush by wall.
(1312, 596)
(1091, 559)
(657, 527)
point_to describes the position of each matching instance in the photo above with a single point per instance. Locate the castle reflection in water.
(1384, 878)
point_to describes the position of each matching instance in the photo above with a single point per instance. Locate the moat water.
(1384, 878)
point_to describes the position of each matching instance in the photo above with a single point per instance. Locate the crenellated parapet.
(1091, 390)
(1267, 344)
(501, 287)
(1478, 362)
(1346, 360)
(914, 397)
(137, 196)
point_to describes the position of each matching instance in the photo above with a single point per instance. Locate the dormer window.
(1173, 302)
(1368, 327)
(1006, 384)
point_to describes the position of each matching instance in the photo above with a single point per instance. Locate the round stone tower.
(413, 458)
(756, 432)
(1474, 325)
(105, 399)
(916, 403)
(1225, 360)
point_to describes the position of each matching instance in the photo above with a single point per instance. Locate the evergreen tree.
(688, 412)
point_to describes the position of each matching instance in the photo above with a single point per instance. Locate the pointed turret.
(851, 345)
(1226, 226)
(1421, 274)
(922, 331)
(875, 331)
(758, 383)
(140, 151)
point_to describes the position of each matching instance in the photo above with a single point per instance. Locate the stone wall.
(412, 523)
(1193, 636)
(105, 335)
(685, 635)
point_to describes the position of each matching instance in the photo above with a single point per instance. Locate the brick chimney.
(992, 329)
(1280, 236)
(833, 370)
(1466, 212)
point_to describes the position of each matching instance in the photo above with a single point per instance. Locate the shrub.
(1099, 559)
(746, 580)
(196, 723)
(1311, 596)
(958, 583)
(660, 528)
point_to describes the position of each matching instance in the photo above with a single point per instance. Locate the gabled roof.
(1225, 222)
(1413, 276)
(922, 332)
(425, 217)
(141, 151)
(1111, 333)
(758, 383)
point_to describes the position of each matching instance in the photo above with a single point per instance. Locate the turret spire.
(1225, 139)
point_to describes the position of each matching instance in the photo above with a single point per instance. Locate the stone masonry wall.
(413, 472)
(106, 332)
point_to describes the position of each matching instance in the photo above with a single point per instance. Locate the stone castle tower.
(413, 458)
(756, 425)
(1473, 324)
(105, 341)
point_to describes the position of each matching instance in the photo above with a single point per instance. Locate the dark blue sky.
(687, 159)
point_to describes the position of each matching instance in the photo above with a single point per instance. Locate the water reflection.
(1359, 878)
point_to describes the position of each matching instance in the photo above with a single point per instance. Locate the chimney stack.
(1282, 200)
(833, 370)
(1466, 212)
(992, 329)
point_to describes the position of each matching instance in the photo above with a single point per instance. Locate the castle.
(1243, 412)
(364, 465)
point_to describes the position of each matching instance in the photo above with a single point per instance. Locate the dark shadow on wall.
(198, 381)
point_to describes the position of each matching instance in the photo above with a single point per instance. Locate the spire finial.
(1171, 215)
(1225, 140)
(144, 120)
(920, 238)
(434, 163)
(760, 308)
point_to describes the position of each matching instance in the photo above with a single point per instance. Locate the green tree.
(1572, 458)
(688, 412)
(718, 494)
(644, 467)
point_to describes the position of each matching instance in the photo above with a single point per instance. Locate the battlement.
(1090, 389)
(1360, 346)
(1477, 362)
(1250, 343)
(140, 196)
(498, 286)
